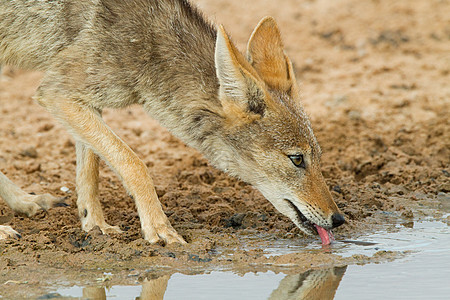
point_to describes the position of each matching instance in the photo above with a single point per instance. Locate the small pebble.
(64, 189)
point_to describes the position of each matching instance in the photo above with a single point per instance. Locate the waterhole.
(422, 272)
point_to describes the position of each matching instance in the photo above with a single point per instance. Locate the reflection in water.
(94, 293)
(154, 289)
(312, 285)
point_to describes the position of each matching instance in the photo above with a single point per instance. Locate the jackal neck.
(171, 51)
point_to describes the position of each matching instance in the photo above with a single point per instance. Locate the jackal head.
(269, 139)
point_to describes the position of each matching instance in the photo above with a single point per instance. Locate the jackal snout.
(320, 208)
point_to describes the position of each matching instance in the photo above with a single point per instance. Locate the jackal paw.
(30, 205)
(164, 233)
(47, 201)
(8, 232)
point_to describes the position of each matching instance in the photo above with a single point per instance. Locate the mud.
(375, 80)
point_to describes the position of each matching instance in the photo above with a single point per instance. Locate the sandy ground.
(375, 81)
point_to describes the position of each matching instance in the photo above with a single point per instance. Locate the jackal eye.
(297, 160)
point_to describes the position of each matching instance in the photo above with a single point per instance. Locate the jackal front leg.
(87, 126)
(89, 207)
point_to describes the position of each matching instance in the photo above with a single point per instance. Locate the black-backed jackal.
(241, 111)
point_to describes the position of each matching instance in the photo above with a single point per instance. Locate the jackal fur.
(242, 112)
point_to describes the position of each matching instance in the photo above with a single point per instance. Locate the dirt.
(375, 81)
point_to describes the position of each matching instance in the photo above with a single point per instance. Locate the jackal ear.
(241, 90)
(265, 52)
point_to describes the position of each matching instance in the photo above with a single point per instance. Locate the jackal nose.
(337, 220)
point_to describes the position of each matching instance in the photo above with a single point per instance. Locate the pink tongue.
(325, 235)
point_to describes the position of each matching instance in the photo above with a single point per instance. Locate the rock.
(197, 258)
(30, 152)
(235, 221)
(51, 296)
(407, 214)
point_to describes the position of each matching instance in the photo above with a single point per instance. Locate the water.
(424, 273)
